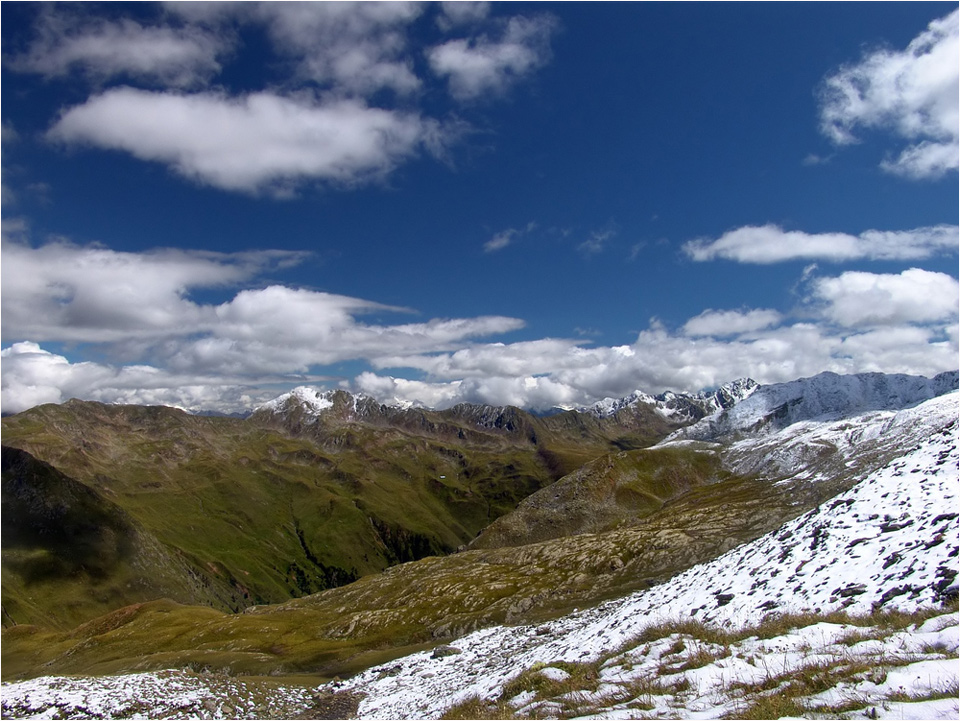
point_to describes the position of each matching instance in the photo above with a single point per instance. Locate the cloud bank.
(138, 309)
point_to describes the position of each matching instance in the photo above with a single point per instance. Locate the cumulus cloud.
(912, 93)
(353, 48)
(855, 322)
(252, 143)
(660, 360)
(461, 12)
(730, 322)
(772, 244)
(139, 306)
(324, 117)
(67, 42)
(290, 330)
(223, 368)
(484, 65)
(402, 390)
(33, 376)
(66, 292)
(857, 299)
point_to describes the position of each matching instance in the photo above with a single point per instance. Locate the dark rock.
(339, 705)
(853, 589)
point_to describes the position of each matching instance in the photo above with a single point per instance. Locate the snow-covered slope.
(826, 396)
(313, 400)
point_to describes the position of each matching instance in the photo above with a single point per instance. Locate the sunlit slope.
(285, 504)
(612, 491)
(348, 628)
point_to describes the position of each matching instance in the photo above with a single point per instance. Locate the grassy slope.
(611, 491)
(64, 544)
(345, 629)
(258, 511)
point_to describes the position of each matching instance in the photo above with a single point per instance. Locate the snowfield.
(889, 543)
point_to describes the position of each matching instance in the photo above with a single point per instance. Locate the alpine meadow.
(422, 360)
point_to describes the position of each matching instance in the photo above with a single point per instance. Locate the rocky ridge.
(826, 396)
(678, 406)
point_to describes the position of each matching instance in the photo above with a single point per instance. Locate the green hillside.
(231, 513)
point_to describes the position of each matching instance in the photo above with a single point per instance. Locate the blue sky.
(537, 204)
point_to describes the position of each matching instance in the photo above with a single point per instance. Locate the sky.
(536, 204)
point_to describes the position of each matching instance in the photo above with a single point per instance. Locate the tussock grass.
(478, 708)
(669, 649)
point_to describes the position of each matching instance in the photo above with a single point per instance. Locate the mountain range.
(329, 533)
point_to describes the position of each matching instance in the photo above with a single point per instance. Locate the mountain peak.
(678, 406)
(314, 402)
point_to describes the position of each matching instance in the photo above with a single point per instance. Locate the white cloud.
(912, 93)
(137, 309)
(772, 244)
(903, 323)
(857, 299)
(495, 359)
(324, 116)
(595, 243)
(659, 360)
(66, 292)
(279, 329)
(730, 322)
(32, 376)
(500, 240)
(140, 304)
(506, 237)
(174, 56)
(353, 48)
(924, 160)
(461, 12)
(482, 65)
(388, 389)
(261, 141)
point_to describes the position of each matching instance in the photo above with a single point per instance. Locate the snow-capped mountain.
(313, 400)
(678, 406)
(826, 396)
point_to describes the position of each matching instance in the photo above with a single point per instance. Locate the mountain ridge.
(824, 396)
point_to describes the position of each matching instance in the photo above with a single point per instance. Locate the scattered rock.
(444, 651)
(853, 589)
(554, 674)
(339, 705)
